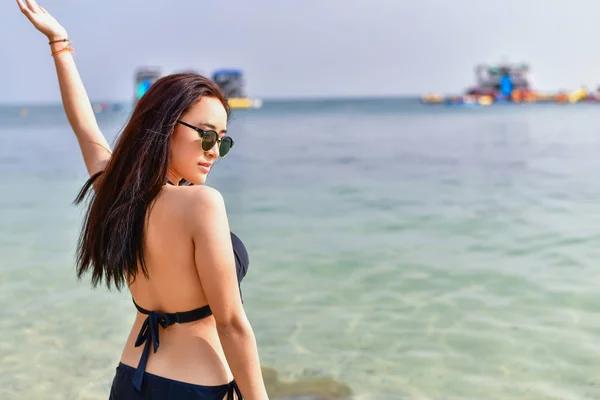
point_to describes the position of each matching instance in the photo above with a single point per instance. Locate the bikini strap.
(149, 333)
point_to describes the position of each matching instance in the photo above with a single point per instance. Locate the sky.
(305, 48)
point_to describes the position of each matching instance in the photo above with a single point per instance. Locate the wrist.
(59, 43)
(56, 38)
(59, 46)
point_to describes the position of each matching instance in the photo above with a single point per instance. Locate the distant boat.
(144, 77)
(231, 82)
(500, 80)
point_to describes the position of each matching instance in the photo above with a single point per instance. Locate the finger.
(22, 6)
(33, 7)
(43, 9)
(25, 10)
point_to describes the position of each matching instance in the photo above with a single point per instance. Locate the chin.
(197, 180)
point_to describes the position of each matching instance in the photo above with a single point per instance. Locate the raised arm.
(94, 147)
(216, 267)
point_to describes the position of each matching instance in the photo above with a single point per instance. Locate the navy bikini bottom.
(158, 388)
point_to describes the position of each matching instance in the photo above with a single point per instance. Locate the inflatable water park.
(508, 84)
(231, 81)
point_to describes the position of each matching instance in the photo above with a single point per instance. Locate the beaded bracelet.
(66, 48)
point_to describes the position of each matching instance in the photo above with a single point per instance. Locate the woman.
(170, 244)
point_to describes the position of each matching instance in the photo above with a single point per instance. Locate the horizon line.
(274, 99)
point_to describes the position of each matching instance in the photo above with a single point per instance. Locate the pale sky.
(305, 48)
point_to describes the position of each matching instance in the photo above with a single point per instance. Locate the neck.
(173, 178)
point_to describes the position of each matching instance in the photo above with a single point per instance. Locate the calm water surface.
(409, 252)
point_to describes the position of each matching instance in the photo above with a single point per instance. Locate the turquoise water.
(410, 252)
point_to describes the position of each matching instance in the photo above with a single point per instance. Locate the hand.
(42, 20)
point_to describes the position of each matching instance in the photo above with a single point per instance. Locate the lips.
(205, 167)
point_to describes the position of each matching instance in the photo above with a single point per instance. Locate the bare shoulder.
(201, 205)
(202, 197)
(192, 196)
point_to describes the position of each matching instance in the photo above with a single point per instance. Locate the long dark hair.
(111, 242)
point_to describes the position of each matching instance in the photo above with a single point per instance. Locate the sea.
(397, 251)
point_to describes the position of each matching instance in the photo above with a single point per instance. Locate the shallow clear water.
(410, 252)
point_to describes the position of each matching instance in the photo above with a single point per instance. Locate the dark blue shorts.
(158, 388)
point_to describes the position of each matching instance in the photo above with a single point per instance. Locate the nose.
(214, 152)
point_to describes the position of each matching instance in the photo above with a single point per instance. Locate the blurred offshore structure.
(231, 82)
(508, 83)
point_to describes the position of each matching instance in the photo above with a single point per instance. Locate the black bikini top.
(149, 331)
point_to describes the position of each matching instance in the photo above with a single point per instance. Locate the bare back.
(189, 352)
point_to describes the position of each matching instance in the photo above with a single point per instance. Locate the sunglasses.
(210, 138)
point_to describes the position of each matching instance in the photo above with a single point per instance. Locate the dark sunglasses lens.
(209, 139)
(226, 144)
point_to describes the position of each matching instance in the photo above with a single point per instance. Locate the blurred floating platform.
(244, 102)
(578, 96)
